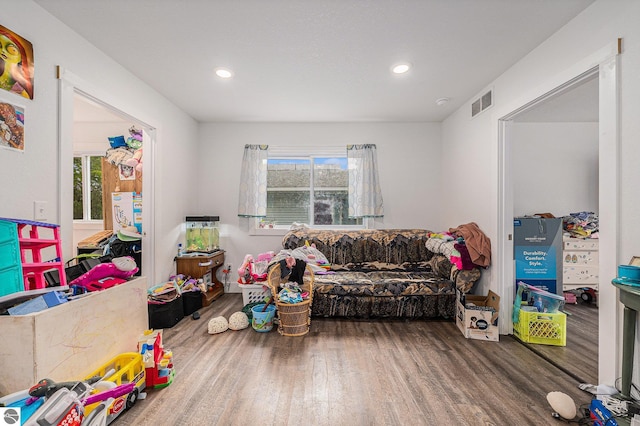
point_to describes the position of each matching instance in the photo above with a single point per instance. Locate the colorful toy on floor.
(123, 381)
(58, 404)
(158, 362)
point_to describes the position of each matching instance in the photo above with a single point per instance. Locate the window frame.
(301, 153)
(85, 157)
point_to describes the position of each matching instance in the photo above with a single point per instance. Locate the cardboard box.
(477, 316)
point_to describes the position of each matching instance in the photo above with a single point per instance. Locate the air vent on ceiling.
(482, 103)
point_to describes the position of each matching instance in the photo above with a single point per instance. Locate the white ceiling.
(316, 61)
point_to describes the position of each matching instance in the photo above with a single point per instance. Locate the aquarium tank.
(202, 233)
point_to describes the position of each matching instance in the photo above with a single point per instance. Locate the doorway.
(93, 124)
(554, 158)
(78, 97)
(604, 64)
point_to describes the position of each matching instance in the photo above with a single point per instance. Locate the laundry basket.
(294, 319)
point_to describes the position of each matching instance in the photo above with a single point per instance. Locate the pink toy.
(245, 270)
(116, 392)
(266, 257)
(106, 275)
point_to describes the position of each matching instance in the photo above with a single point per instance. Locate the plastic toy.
(105, 275)
(127, 375)
(245, 270)
(59, 403)
(158, 362)
(136, 160)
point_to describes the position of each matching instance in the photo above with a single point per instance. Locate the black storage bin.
(191, 301)
(119, 248)
(165, 315)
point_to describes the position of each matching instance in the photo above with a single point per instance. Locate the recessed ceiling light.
(224, 73)
(401, 68)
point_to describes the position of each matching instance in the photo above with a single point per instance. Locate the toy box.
(477, 316)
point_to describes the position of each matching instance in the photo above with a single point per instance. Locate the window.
(87, 187)
(308, 189)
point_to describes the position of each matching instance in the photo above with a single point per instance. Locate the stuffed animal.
(245, 270)
(134, 142)
(120, 268)
(136, 160)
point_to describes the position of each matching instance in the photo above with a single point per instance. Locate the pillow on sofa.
(437, 245)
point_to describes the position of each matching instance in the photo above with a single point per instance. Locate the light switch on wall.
(39, 210)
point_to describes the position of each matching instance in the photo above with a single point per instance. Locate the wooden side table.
(203, 265)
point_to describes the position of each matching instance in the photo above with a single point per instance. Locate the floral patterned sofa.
(386, 273)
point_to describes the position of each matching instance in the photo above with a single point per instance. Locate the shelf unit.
(31, 244)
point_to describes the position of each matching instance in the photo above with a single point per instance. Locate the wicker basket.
(294, 319)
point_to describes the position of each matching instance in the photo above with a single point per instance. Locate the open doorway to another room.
(107, 181)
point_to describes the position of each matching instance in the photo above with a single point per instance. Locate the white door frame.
(605, 64)
(68, 86)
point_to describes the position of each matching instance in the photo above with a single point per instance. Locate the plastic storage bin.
(541, 328)
(202, 233)
(191, 301)
(542, 300)
(254, 293)
(165, 315)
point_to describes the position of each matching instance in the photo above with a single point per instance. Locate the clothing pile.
(466, 246)
(581, 224)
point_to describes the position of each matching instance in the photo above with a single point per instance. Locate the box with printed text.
(477, 316)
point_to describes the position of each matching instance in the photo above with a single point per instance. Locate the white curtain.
(252, 200)
(365, 197)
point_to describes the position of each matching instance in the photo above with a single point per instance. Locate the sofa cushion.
(381, 283)
(424, 266)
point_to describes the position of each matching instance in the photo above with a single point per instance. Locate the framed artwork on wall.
(11, 125)
(16, 63)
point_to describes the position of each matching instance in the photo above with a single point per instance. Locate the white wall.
(556, 168)
(412, 174)
(33, 175)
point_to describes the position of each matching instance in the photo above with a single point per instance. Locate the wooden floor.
(579, 358)
(347, 372)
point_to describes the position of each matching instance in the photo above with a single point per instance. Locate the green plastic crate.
(541, 328)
